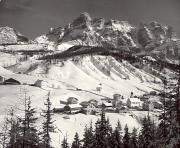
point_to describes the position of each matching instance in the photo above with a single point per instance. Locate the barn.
(12, 81)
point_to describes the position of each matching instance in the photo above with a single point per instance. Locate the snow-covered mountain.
(88, 38)
(87, 31)
(10, 36)
(93, 32)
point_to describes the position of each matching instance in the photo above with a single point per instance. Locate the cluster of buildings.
(13, 80)
(70, 104)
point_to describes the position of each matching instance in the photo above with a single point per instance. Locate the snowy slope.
(87, 72)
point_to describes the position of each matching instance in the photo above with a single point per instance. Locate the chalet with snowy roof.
(72, 100)
(106, 105)
(69, 98)
(12, 81)
(134, 103)
(67, 102)
(72, 108)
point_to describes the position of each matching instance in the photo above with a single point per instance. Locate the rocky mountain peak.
(84, 20)
(88, 31)
(98, 23)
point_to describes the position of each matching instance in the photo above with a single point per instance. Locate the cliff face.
(10, 36)
(154, 39)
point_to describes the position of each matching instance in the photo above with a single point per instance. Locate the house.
(2, 79)
(41, 83)
(89, 108)
(59, 108)
(67, 108)
(12, 81)
(72, 100)
(69, 98)
(134, 103)
(72, 108)
(106, 105)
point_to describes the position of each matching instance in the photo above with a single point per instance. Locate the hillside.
(80, 57)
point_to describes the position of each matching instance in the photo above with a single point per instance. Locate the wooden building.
(12, 81)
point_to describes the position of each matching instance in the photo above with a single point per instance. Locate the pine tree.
(169, 128)
(28, 131)
(88, 137)
(102, 132)
(76, 143)
(147, 135)
(48, 123)
(65, 143)
(126, 138)
(31, 120)
(116, 138)
(134, 139)
(14, 131)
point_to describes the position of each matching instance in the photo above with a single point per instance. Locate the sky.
(34, 17)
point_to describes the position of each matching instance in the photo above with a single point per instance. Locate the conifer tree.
(146, 137)
(48, 123)
(116, 139)
(28, 131)
(76, 143)
(126, 138)
(14, 131)
(89, 138)
(102, 132)
(168, 133)
(134, 140)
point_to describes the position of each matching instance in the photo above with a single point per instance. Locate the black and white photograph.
(89, 73)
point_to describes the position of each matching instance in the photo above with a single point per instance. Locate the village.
(117, 104)
(70, 103)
